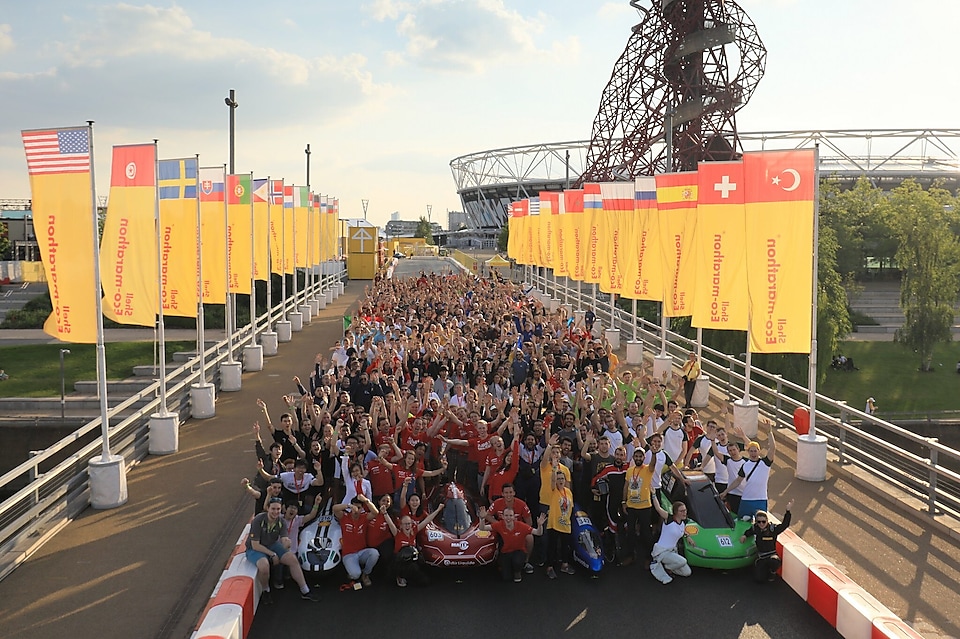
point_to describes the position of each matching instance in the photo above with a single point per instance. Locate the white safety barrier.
(230, 611)
(844, 604)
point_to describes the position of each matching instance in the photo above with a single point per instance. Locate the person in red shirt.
(510, 500)
(407, 476)
(406, 555)
(502, 465)
(378, 532)
(478, 448)
(516, 541)
(380, 473)
(358, 559)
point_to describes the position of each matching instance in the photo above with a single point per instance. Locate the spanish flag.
(596, 237)
(643, 270)
(128, 248)
(239, 231)
(618, 202)
(61, 184)
(780, 208)
(677, 212)
(575, 233)
(721, 296)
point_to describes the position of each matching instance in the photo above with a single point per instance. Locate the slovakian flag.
(643, 270)
(128, 247)
(213, 233)
(721, 300)
(677, 213)
(780, 191)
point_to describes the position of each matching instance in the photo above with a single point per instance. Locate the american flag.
(57, 151)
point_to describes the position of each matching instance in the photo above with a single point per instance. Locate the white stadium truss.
(489, 181)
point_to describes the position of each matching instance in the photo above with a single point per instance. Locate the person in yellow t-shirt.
(637, 492)
(690, 374)
(556, 477)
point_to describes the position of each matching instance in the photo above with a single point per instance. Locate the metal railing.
(48, 490)
(920, 467)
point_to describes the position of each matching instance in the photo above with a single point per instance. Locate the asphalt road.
(467, 603)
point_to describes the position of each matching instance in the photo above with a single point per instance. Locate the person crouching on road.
(768, 563)
(517, 541)
(665, 555)
(358, 558)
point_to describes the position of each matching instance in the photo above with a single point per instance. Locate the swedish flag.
(178, 179)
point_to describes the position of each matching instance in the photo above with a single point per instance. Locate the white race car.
(319, 549)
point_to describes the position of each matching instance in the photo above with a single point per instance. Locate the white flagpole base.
(284, 331)
(340, 288)
(746, 415)
(268, 339)
(701, 392)
(253, 358)
(164, 434)
(613, 336)
(811, 458)
(329, 295)
(314, 307)
(634, 352)
(322, 301)
(108, 482)
(307, 311)
(296, 321)
(230, 377)
(202, 401)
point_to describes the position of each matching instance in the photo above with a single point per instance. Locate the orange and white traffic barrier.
(229, 613)
(893, 628)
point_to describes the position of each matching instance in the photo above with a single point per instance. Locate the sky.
(388, 92)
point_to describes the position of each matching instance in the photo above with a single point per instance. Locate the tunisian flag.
(780, 191)
(721, 297)
(128, 248)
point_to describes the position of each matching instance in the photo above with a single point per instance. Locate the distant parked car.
(399, 255)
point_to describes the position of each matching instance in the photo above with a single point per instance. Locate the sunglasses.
(761, 521)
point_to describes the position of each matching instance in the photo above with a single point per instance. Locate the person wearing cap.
(871, 407)
(754, 474)
(268, 545)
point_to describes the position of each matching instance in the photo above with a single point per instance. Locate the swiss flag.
(720, 183)
(780, 176)
(134, 165)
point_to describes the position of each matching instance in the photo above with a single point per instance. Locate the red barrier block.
(239, 591)
(825, 581)
(893, 628)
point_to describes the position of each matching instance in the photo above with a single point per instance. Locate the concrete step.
(883, 328)
(85, 405)
(153, 372)
(124, 388)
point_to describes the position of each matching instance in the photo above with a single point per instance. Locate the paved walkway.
(147, 568)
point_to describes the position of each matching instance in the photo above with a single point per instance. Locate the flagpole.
(253, 279)
(160, 326)
(308, 281)
(269, 255)
(227, 302)
(283, 257)
(294, 247)
(107, 475)
(812, 382)
(201, 340)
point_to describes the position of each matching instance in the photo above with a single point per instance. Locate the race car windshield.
(591, 544)
(456, 517)
(706, 508)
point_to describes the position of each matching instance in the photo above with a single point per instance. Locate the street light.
(63, 401)
(232, 103)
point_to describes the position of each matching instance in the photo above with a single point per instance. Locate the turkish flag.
(780, 176)
(134, 165)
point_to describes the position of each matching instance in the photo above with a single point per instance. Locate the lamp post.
(63, 401)
(231, 102)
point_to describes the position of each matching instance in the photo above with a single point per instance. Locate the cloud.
(617, 11)
(127, 66)
(465, 36)
(6, 40)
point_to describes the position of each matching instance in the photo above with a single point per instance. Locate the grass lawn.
(34, 369)
(888, 373)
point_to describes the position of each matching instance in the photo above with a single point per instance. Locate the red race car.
(452, 539)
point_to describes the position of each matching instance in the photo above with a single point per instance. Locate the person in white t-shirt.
(665, 555)
(754, 475)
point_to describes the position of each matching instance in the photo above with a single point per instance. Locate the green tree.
(423, 230)
(503, 238)
(928, 254)
(860, 221)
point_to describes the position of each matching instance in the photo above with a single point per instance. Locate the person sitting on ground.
(666, 559)
(268, 546)
(765, 536)
(406, 563)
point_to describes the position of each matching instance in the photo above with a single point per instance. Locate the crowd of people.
(456, 378)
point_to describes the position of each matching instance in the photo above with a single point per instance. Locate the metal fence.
(51, 488)
(919, 467)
